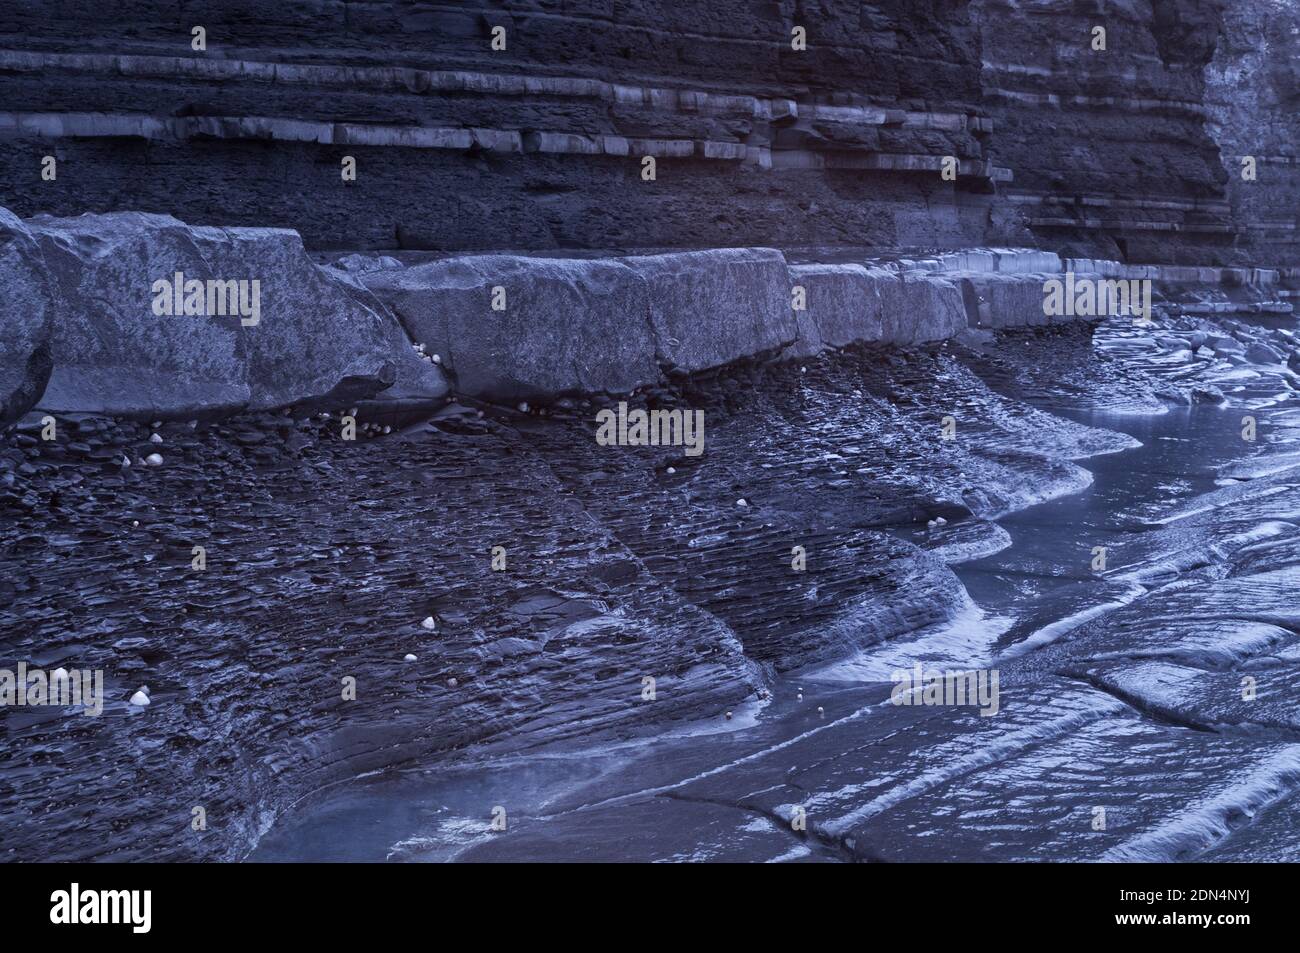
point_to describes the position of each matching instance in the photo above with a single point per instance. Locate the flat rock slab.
(313, 335)
(513, 327)
(997, 301)
(559, 325)
(709, 308)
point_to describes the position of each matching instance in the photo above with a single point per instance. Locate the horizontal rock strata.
(421, 99)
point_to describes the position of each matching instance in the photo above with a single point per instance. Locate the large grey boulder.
(709, 308)
(851, 304)
(842, 306)
(560, 325)
(919, 309)
(25, 311)
(996, 301)
(265, 327)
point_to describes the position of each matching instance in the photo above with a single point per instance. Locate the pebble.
(452, 683)
(155, 438)
(671, 470)
(140, 699)
(154, 460)
(408, 657)
(429, 623)
(741, 502)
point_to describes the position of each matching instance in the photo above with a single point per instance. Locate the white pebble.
(154, 460)
(821, 710)
(437, 358)
(940, 521)
(154, 438)
(728, 716)
(741, 502)
(408, 657)
(523, 407)
(451, 683)
(671, 470)
(140, 699)
(429, 623)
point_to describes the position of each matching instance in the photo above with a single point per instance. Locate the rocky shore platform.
(414, 548)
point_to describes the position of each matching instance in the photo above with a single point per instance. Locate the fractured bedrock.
(511, 327)
(151, 316)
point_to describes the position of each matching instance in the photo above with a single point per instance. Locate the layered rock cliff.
(1102, 152)
(1253, 104)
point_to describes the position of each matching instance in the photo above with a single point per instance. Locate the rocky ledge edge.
(142, 316)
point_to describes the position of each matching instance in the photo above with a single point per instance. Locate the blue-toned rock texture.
(387, 429)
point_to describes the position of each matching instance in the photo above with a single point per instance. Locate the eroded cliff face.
(540, 145)
(1099, 110)
(1253, 103)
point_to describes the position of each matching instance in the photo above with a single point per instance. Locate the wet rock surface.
(1122, 731)
(325, 557)
(322, 560)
